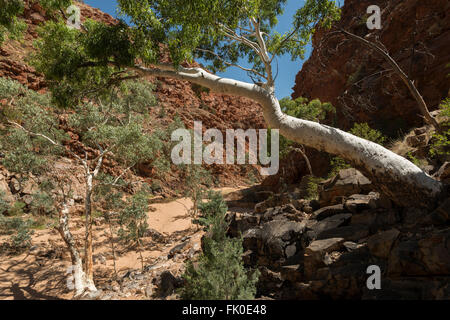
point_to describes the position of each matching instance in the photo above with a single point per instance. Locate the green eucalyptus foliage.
(219, 273)
(42, 204)
(301, 108)
(25, 153)
(197, 179)
(113, 123)
(76, 61)
(10, 24)
(116, 124)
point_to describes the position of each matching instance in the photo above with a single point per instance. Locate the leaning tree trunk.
(82, 285)
(398, 178)
(402, 181)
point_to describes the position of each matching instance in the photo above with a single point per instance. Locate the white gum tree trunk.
(82, 285)
(405, 183)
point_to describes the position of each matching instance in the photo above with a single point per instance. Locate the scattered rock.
(331, 223)
(360, 202)
(380, 245)
(273, 201)
(346, 183)
(177, 249)
(326, 212)
(443, 174)
(428, 256)
(318, 248)
(315, 253)
(166, 283)
(352, 233)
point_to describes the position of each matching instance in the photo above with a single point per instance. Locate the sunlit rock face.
(354, 79)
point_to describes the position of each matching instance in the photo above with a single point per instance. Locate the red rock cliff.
(358, 82)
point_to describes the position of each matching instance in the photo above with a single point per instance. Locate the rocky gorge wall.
(358, 82)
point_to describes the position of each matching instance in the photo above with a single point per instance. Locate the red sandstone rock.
(382, 100)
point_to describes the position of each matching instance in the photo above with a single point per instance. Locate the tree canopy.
(221, 32)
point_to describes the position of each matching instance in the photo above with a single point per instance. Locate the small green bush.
(363, 130)
(413, 159)
(42, 204)
(219, 273)
(4, 205)
(17, 208)
(312, 188)
(301, 108)
(19, 230)
(440, 145)
(337, 164)
(133, 219)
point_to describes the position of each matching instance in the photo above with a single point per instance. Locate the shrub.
(413, 159)
(19, 230)
(17, 208)
(301, 108)
(197, 180)
(4, 205)
(42, 204)
(133, 221)
(363, 130)
(337, 164)
(312, 188)
(440, 145)
(219, 273)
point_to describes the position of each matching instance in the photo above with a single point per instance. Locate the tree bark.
(405, 183)
(82, 284)
(88, 252)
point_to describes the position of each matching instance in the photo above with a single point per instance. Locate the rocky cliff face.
(358, 81)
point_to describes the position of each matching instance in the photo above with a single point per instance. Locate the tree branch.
(233, 64)
(263, 52)
(410, 84)
(215, 83)
(49, 140)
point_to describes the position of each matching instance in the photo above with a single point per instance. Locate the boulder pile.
(321, 249)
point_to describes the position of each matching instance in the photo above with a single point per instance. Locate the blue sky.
(287, 69)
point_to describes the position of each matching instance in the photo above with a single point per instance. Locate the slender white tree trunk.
(83, 286)
(405, 183)
(88, 252)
